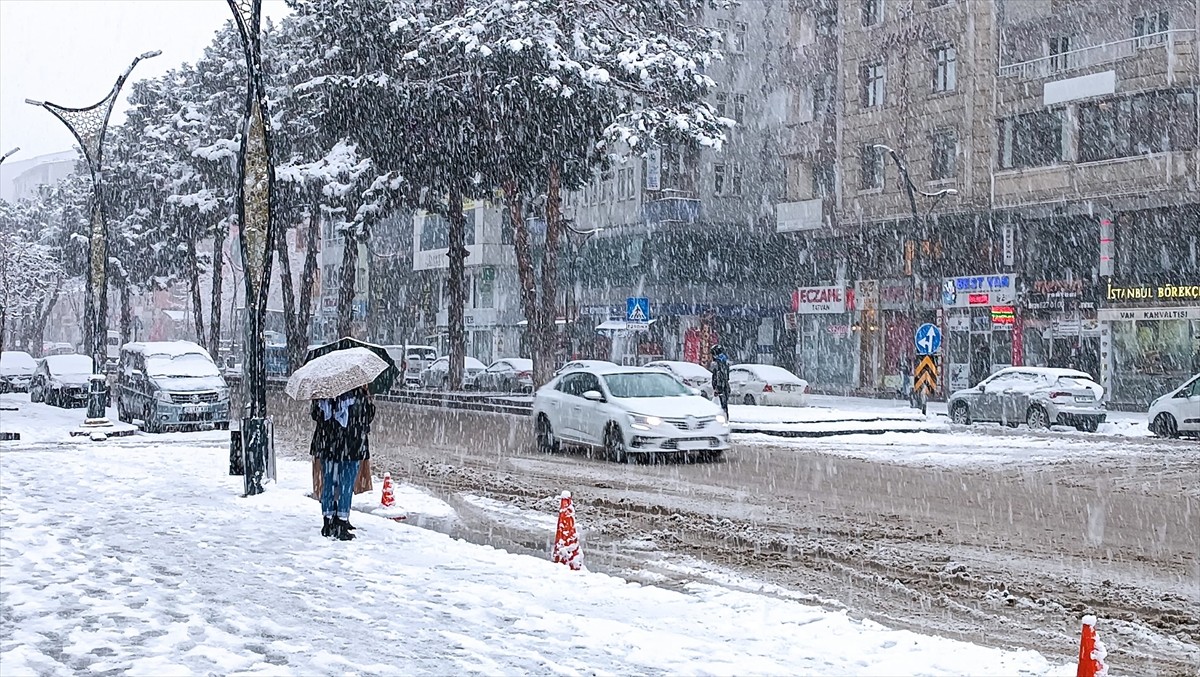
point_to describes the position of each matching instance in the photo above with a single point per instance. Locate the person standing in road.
(341, 442)
(720, 377)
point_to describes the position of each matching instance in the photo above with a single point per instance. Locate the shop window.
(1153, 122)
(1031, 140)
(1154, 348)
(945, 69)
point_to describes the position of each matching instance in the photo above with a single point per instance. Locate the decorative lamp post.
(920, 222)
(256, 236)
(89, 125)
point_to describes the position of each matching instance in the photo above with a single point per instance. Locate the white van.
(170, 384)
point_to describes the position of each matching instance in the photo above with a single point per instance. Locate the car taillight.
(1059, 393)
(767, 388)
(523, 374)
(807, 389)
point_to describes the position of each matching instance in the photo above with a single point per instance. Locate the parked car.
(688, 373)
(170, 384)
(415, 360)
(767, 385)
(626, 411)
(61, 381)
(57, 349)
(574, 365)
(1039, 396)
(16, 368)
(436, 374)
(508, 375)
(1177, 412)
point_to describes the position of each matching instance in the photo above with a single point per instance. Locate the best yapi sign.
(819, 300)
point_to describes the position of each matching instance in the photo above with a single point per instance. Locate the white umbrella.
(334, 373)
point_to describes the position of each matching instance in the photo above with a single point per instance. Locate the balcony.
(669, 210)
(791, 217)
(1104, 54)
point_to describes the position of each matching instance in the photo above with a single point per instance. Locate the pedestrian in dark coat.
(341, 441)
(720, 377)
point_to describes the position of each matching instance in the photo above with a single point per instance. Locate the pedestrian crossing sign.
(637, 310)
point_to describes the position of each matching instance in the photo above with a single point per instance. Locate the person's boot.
(327, 527)
(349, 526)
(340, 531)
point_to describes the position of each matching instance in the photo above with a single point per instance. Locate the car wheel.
(960, 414)
(35, 395)
(1164, 425)
(148, 423)
(122, 415)
(614, 445)
(748, 399)
(1088, 425)
(546, 443)
(1037, 419)
(52, 399)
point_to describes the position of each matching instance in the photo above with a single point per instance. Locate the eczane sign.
(819, 300)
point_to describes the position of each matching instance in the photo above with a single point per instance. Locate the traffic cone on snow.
(1091, 651)
(566, 540)
(389, 498)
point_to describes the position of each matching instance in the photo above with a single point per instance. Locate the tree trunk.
(546, 331)
(287, 288)
(543, 364)
(457, 278)
(36, 329)
(214, 326)
(126, 320)
(297, 352)
(345, 306)
(193, 274)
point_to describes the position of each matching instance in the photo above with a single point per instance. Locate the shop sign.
(1003, 317)
(838, 330)
(866, 295)
(819, 300)
(978, 290)
(1145, 292)
(958, 322)
(895, 294)
(1144, 314)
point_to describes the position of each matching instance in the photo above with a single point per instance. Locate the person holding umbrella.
(339, 384)
(341, 441)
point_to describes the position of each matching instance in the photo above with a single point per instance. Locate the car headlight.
(644, 422)
(223, 394)
(721, 419)
(163, 396)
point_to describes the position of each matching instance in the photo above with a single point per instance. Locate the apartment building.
(1051, 148)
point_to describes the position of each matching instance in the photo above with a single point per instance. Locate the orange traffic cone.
(1091, 651)
(566, 541)
(389, 498)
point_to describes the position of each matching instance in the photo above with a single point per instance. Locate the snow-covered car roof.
(65, 365)
(1052, 372)
(165, 348)
(16, 363)
(518, 363)
(684, 368)
(574, 365)
(770, 371)
(468, 363)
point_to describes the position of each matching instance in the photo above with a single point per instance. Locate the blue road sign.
(637, 310)
(928, 339)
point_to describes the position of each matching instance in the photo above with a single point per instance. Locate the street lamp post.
(88, 125)
(919, 222)
(256, 236)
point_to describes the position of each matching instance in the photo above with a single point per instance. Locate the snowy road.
(957, 533)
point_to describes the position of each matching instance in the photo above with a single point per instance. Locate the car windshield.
(187, 365)
(643, 385)
(422, 354)
(69, 365)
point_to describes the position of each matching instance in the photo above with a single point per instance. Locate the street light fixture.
(88, 126)
(256, 235)
(7, 155)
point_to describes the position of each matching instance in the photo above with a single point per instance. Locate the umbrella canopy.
(332, 374)
(383, 382)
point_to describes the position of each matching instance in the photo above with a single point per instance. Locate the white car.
(689, 374)
(767, 385)
(16, 368)
(435, 375)
(510, 375)
(575, 365)
(1178, 411)
(627, 410)
(1039, 396)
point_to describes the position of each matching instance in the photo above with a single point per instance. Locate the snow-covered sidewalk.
(139, 556)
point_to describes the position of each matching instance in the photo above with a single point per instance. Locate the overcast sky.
(70, 52)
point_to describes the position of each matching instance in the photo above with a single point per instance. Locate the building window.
(735, 179)
(722, 104)
(739, 107)
(506, 225)
(943, 160)
(826, 20)
(822, 97)
(1031, 140)
(873, 77)
(945, 69)
(719, 179)
(738, 46)
(606, 186)
(872, 12)
(1058, 48)
(1151, 28)
(823, 179)
(1152, 122)
(871, 167)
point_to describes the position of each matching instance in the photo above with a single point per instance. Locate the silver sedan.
(1038, 396)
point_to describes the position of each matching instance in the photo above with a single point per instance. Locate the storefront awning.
(616, 325)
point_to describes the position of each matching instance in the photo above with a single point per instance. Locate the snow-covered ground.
(138, 555)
